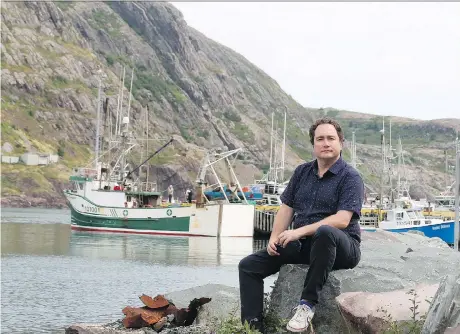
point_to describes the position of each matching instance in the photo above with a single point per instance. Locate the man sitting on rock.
(323, 200)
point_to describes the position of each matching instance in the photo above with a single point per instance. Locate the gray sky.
(399, 59)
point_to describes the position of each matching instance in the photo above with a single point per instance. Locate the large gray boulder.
(225, 302)
(390, 261)
(444, 312)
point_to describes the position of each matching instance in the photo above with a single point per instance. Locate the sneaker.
(301, 319)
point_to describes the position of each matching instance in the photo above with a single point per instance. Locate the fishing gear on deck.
(150, 157)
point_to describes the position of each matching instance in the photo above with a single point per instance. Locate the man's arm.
(282, 220)
(340, 220)
(286, 212)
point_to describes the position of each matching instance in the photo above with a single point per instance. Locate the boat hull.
(228, 220)
(160, 226)
(444, 230)
(88, 216)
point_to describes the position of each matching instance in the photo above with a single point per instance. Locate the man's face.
(326, 144)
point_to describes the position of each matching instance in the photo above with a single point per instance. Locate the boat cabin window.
(128, 198)
(411, 214)
(419, 215)
(273, 201)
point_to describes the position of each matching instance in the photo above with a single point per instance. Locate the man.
(170, 193)
(324, 199)
(189, 195)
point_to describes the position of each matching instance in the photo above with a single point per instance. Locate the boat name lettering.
(91, 209)
(440, 227)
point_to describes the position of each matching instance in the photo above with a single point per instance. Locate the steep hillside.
(193, 88)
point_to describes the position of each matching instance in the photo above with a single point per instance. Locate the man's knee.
(245, 264)
(325, 232)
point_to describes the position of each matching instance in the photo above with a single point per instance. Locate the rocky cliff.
(204, 94)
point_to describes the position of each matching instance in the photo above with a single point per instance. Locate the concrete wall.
(33, 159)
(30, 159)
(9, 159)
(53, 158)
(43, 159)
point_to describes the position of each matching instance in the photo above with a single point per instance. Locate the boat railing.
(86, 172)
(368, 221)
(147, 186)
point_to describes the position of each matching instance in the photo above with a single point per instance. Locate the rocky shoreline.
(22, 201)
(397, 272)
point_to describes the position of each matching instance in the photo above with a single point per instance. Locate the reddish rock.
(154, 303)
(149, 316)
(134, 321)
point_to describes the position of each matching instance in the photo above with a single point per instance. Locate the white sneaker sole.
(289, 328)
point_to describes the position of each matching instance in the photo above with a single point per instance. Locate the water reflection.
(50, 273)
(59, 239)
(35, 239)
(192, 251)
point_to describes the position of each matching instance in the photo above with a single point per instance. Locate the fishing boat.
(111, 195)
(402, 214)
(401, 220)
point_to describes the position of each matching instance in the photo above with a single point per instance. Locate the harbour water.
(52, 277)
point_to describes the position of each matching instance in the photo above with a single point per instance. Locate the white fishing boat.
(401, 220)
(111, 196)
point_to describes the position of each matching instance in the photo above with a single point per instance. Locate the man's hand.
(271, 247)
(287, 236)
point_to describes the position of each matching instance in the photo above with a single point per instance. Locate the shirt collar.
(334, 169)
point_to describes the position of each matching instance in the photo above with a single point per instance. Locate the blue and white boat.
(401, 220)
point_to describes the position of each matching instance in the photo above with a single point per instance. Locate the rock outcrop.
(444, 313)
(389, 262)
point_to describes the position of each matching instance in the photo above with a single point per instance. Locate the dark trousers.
(169, 198)
(328, 249)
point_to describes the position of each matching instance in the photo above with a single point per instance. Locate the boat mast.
(130, 94)
(271, 149)
(284, 148)
(98, 122)
(399, 167)
(147, 145)
(382, 144)
(122, 74)
(275, 157)
(457, 194)
(121, 102)
(353, 150)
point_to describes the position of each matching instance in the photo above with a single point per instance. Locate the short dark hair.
(325, 120)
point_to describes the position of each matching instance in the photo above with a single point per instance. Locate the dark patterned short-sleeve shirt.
(314, 198)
